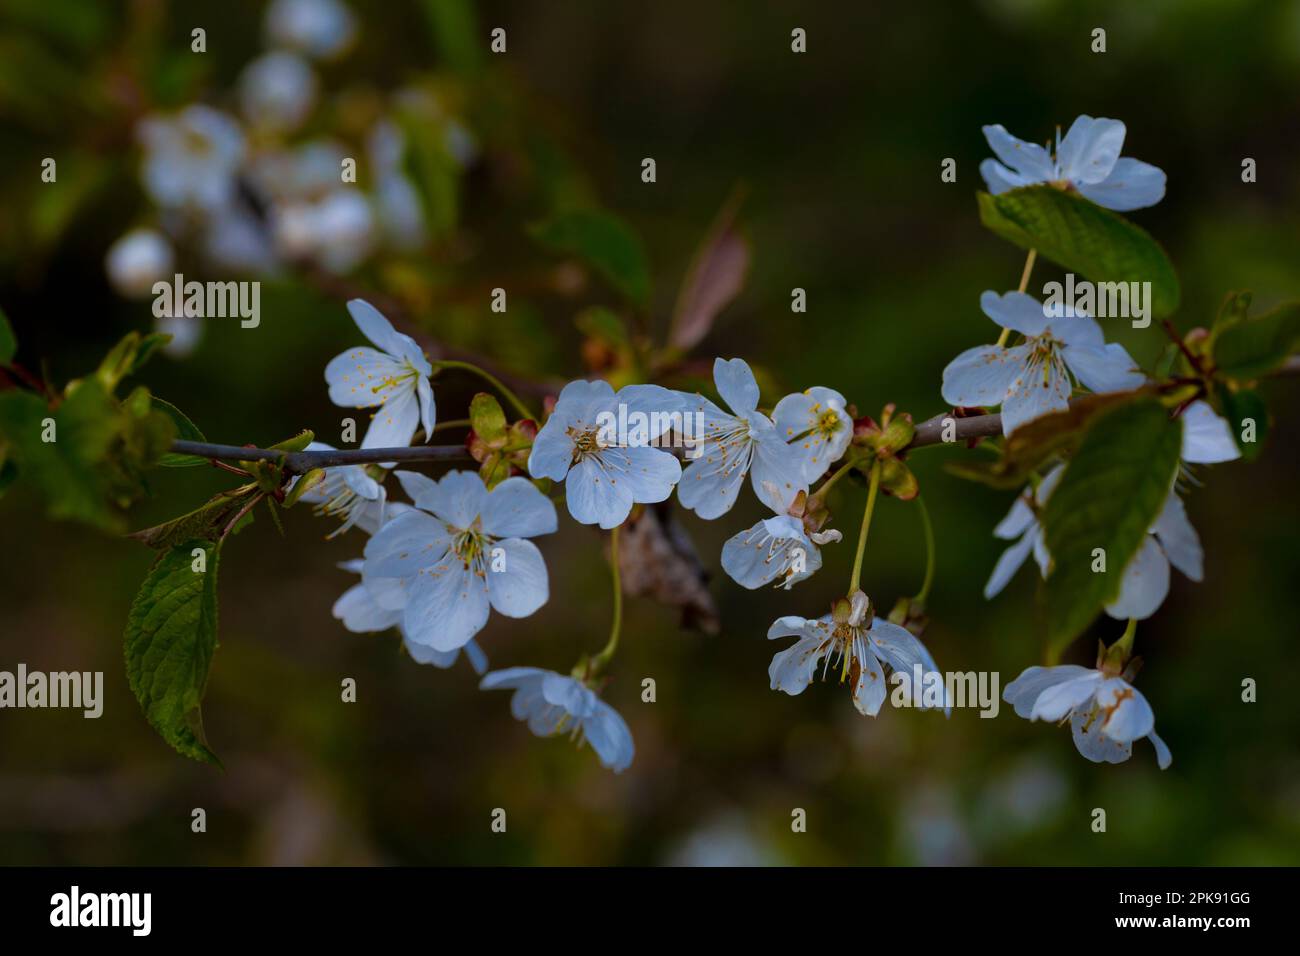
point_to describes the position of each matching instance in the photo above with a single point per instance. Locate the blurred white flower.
(277, 91)
(137, 260)
(319, 28)
(191, 159)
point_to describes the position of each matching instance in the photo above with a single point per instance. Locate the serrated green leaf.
(605, 243)
(8, 341)
(1084, 238)
(1111, 493)
(1254, 347)
(206, 521)
(185, 430)
(171, 635)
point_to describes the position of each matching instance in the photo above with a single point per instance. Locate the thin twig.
(301, 462)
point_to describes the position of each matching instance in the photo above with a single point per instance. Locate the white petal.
(361, 614)
(404, 545)
(421, 489)
(710, 484)
(898, 647)
(552, 452)
(376, 328)
(1108, 369)
(459, 498)
(1085, 727)
(869, 689)
(609, 736)
(1128, 715)
(516, 509)
(660, 406)
(1015, 311)
(1178, 539)
(1023, 692)
(593, 498)
(1032, 397)
(792, 669)
(1017, 520)
(428, 409)
(448, 605)
(736, 384)
(1028, 159)
(360, 377)
(522, 587)
(1146, 582)
(999, 178)
(395, 421)
(1132, 184)
(1008, 564)
(648, 475)
(777, 472)
(1077, 329)
(982, 375)
(1090, 149)
(1163, 757)
(1059, 699)
(1207, 438)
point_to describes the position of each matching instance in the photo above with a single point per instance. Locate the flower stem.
(866, 526)
(1125, 643)
(600, 660)
(929, 553)
(839, 473)
(1024, 284)
(452, 423)
(492, 380)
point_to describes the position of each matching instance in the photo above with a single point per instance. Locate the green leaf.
(206, 521)
(1034, 442)
(1249, 349)
(1112, 491)
(8, 341)
(171, 635)
(1084, 238)
(185, 430)
(604, 242)
(68, 468)
(1247, 415)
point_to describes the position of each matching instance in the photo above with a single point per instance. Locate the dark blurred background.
(838, 152)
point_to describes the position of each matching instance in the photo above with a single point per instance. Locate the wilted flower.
(733, 444)
(551, 703)
(1033, 378)
(1106, 712)
(395, 377)
(1087, 160)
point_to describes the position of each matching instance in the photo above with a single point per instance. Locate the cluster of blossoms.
(255, 192)
(1037, 376)
(435, 568)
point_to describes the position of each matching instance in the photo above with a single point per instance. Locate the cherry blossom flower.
(461, 553)
(320, 28)
(1087, 160)
(860, 651)
(137, 260)
(1106, 712)
(349, 492)
(815, 422)
(774, 549)
(735, 443)
(605, 473)
(395, 377)
(1033, 378)
(191, 159)
(551, 703)
(277, 91)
